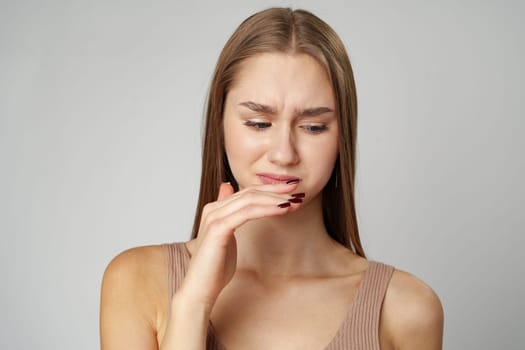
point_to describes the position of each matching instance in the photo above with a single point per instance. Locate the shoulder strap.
(177, 260)
(364, 333)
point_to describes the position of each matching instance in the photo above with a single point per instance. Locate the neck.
(295, 244)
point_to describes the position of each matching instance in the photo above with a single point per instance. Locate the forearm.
(187, 326)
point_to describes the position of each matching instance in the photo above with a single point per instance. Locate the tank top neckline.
(338, 334)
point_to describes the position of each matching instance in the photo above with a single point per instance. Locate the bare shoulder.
(412, 314)
(134, 292)
(133, 263)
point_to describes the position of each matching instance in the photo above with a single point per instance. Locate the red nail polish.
(295, 200)
(298, 195)
(293, 181)
(284, 205)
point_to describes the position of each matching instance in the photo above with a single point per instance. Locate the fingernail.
(298, 195)
(284, 205)
(293, 181)
(295, 200)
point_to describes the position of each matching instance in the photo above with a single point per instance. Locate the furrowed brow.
(312, 112)
(258, 107)
(261, 108)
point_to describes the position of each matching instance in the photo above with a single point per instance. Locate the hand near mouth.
(214, 260)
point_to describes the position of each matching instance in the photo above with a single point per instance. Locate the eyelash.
(261, 126)
(315, 129)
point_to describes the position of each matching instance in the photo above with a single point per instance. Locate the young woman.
(275, 260)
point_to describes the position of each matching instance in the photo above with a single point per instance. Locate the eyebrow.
(261, 108)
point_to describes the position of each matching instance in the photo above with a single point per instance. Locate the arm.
(187, 326)
(412, 317)
(127, 311)
(133, 291)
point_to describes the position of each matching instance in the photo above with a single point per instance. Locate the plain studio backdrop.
(101, 106)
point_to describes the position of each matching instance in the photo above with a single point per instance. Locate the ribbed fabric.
(178, 260)
(359, 330)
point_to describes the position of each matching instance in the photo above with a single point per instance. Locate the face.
(280, 122)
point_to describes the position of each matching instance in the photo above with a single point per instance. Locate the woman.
(275, 260)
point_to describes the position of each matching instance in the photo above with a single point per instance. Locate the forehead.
(281, 79)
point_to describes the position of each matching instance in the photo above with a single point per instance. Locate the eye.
(315, 128)
(259, 126)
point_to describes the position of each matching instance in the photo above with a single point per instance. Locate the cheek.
(240, 146)
(327, 163)
(321, 158)
(322, 152)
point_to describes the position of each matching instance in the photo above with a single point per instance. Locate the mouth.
(268, 178)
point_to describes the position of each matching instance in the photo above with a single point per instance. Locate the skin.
(254, 262)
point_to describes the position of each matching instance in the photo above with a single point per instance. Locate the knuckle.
(247, 210)
(251, 192)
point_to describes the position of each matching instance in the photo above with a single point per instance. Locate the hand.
(214, 260)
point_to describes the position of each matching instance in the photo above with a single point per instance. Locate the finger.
(280, 190)
(225, 190)
(281, 187)
(229, 223)
(244, 199)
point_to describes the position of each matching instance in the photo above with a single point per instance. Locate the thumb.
(225, 190)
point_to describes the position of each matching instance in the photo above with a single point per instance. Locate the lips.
(269, 178)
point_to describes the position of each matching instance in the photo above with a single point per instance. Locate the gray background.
(101, 105)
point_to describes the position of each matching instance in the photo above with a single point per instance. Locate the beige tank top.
(359, 330)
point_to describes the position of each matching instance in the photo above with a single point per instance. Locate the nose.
(282, 150)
